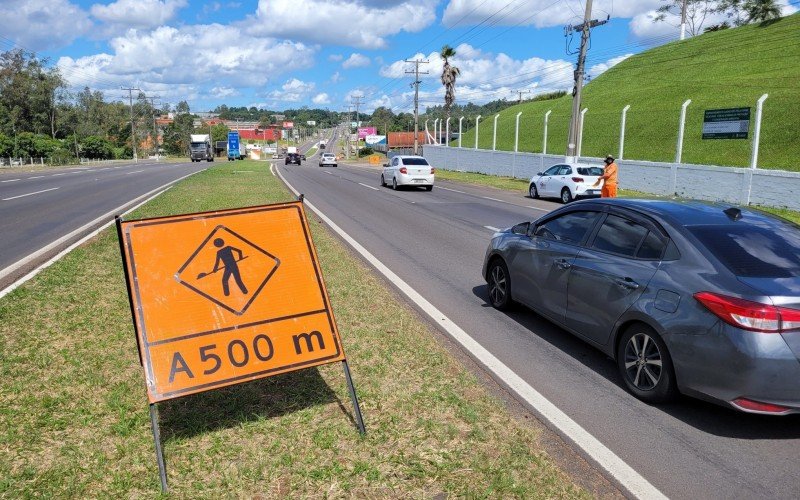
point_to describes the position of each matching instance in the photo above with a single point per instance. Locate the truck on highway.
(322, 143)
(236, 150)
(200, 148)
(291, 149)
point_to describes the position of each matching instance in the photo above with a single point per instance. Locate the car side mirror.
(521, 229)
(539, 173)
(385, 164)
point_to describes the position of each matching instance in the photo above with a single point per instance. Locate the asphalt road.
(37, 208)
(436, 241)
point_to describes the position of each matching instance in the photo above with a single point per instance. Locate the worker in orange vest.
(609, 189)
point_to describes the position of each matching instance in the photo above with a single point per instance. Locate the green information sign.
(731, 123)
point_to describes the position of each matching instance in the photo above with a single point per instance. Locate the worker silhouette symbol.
(230, 266)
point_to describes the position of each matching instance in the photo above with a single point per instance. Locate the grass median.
(73, 409)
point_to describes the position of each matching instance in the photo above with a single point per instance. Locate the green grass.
(725, 69)
(74, 416)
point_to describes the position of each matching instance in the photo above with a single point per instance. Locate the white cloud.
(141, 14)
(293, 90)
(484, 76)
(356, 60)
(356, 23)
(222, 92)
(335, 57)
(43, 24)
(336, 77)
(598, 69)
(539, 13)
(199, 56)
(321, 99)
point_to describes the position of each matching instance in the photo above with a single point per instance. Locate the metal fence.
(6, 162)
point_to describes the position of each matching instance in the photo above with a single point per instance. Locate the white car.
(408, 171)
(566, 181)
(327, 159)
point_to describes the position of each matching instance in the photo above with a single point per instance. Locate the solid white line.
(492, 228)
(63, 173)
(495, 199)
(623, 473)
(271, 165)
(35, 255)
(12, 180)
(134, 172)
(37, 177)
(329, 173)
(368, 186)
(29, 194)
(453, 190)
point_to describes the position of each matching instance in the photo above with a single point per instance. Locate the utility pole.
(683, 20)
(357, 102)
(155, 130)
(133, 126)
(520, 92)
(349, 129)
(416, 83)
(584, 28)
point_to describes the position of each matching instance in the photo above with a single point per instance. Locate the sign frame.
(137, 306)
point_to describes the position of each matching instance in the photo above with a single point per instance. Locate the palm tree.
(449, 74)
(761, 10)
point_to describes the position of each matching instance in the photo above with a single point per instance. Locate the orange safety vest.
(610, 174)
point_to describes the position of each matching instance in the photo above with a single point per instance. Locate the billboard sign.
(363, 132)
(374, 139)
(288, 124)
(732, 123)
(225, 297)
(311, 123)
(233, 141)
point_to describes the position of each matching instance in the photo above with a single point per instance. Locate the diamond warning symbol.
(228, 270)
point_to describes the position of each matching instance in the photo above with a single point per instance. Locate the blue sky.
(279, 54)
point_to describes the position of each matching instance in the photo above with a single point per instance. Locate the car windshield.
(415, 161)
(590, 171)
(754, 251)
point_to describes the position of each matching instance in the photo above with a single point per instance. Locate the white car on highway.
(408, 171)
(327, 159)
(566, 181)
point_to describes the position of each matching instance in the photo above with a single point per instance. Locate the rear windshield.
(414, 161)
(753, 251)
(590, 171)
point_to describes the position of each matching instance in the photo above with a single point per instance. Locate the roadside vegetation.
(723, 69)
(74, 416)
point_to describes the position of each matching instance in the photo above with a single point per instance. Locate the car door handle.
(627, 283)
(563, 264)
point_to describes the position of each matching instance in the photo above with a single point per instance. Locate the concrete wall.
(772, 188)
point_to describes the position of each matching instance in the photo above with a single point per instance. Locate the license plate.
(419, 180)
(592, 191)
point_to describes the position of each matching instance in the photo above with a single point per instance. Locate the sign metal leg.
(162, 469)
(354, 397)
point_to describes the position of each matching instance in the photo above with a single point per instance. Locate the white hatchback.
(566, 181)
(408, 171)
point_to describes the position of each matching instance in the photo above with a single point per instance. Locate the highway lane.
(37, 208)
(436, 241)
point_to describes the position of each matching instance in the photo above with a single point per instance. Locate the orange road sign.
(225, 297)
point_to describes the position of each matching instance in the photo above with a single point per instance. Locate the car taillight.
(433, 170)
(749, 315)
(403, 170)
(749, 404)
(577, 179)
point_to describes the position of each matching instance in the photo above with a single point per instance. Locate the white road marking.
(601, 455)
(492, 228)
(537, 208)
(37, 177)
(22, 262)
(29, 194)
(368, 186)
(495, 199)
(100, 170)
(11, 180)
(63, 173)
(134, 172)
(329, 173)
(243, 171)
(453, 190)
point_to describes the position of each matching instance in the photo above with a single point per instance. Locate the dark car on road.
(688, 297)
(292, 158)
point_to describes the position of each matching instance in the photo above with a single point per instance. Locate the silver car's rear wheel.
(645, 364)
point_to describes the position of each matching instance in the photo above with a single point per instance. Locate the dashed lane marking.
(29, 194)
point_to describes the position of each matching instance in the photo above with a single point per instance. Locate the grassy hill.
(725, 69)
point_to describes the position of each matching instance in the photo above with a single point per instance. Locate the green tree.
(696, 13)
(96, 148)
(383, 119)
(761, 10)
(219, 132)
(28, 93)
(182, 108)
(449, 75)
